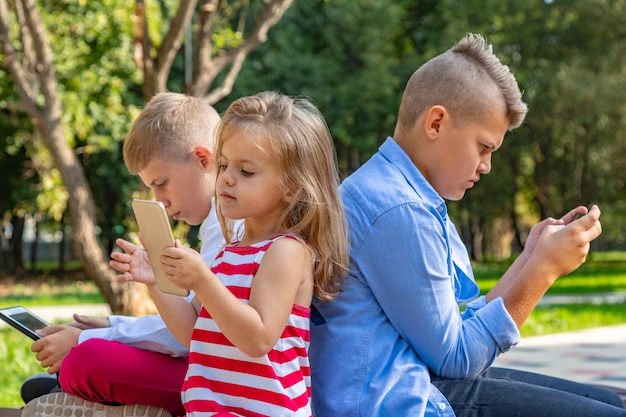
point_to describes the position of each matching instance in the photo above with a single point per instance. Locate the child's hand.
(133, 264)
(54, 345)
(183, 266)
(537, 230)
(563, 248)
(573, 214)
(90, 322)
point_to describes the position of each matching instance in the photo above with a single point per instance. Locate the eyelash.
(222, 168)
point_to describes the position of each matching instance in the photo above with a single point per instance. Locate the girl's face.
(248, 183)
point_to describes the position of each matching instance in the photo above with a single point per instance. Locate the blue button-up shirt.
(398, 319)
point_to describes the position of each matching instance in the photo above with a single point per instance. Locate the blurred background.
(74, 74)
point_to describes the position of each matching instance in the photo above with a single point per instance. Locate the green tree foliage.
(73, 67)
(101, 90)
(353, 59)
(570, 148)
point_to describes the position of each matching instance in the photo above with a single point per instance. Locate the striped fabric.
(222, 380)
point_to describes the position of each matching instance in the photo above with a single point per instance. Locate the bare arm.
(255, 327)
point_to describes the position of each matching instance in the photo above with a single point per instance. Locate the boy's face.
(463, 154)
(185, 189)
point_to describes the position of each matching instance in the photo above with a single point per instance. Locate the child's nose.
(485, 165)
(226, 177)
(160, 196)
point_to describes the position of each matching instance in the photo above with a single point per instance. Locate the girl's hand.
(133, 264)
(184, 266)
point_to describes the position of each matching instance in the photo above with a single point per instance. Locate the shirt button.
(442, 406)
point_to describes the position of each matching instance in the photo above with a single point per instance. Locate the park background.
(74, 74)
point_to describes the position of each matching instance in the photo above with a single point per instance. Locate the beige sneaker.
(62, 404)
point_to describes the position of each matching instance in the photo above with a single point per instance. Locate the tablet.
(156, 235)
(23, 320)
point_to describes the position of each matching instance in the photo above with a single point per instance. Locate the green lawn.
(18, 363)
(603, 273)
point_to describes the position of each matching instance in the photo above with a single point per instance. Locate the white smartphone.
(156, 235)
(23, 320)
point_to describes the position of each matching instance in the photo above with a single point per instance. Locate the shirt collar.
(391, 151)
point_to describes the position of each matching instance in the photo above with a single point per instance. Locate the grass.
(18, 363)
(603, 273)
(49, 293)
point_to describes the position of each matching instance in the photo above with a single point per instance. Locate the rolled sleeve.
(497, 320)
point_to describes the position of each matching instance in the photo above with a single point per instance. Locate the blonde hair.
(467, 80)
(301, 144)
(168, 128)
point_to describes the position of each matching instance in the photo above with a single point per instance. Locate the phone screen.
(30, 321)
(23, 320)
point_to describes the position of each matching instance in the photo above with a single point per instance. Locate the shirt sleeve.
(406, 260)
(147, 332)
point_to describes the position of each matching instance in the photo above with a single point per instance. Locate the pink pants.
(109, 372)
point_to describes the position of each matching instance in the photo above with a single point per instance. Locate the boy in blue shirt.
(394, 342)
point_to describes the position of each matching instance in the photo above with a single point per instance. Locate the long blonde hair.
(300, 142)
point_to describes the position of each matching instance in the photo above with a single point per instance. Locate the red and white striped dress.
(222, 380)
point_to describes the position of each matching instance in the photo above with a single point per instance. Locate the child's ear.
(205, 156)
(435, 117)
(289, 196)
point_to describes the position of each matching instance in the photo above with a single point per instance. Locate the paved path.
(64, 313)
(596, 356)
(61, 314)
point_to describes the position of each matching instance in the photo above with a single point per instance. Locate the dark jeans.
(500, 392)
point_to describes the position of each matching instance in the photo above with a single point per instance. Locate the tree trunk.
(34, 76)
(124, 298)
(16, 248)
(43, 105)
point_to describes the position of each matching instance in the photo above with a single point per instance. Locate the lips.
(226, 195)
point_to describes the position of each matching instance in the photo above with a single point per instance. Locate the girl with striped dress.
(248, 325)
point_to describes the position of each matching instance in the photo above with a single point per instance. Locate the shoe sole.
(66, 405)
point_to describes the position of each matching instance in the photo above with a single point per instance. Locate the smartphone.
(156, 234)
(23, 320)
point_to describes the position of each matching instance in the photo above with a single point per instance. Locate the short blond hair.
(168, 128)
(300, 142)
(468, 79)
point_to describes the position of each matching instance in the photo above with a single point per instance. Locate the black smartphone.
(23, 320)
